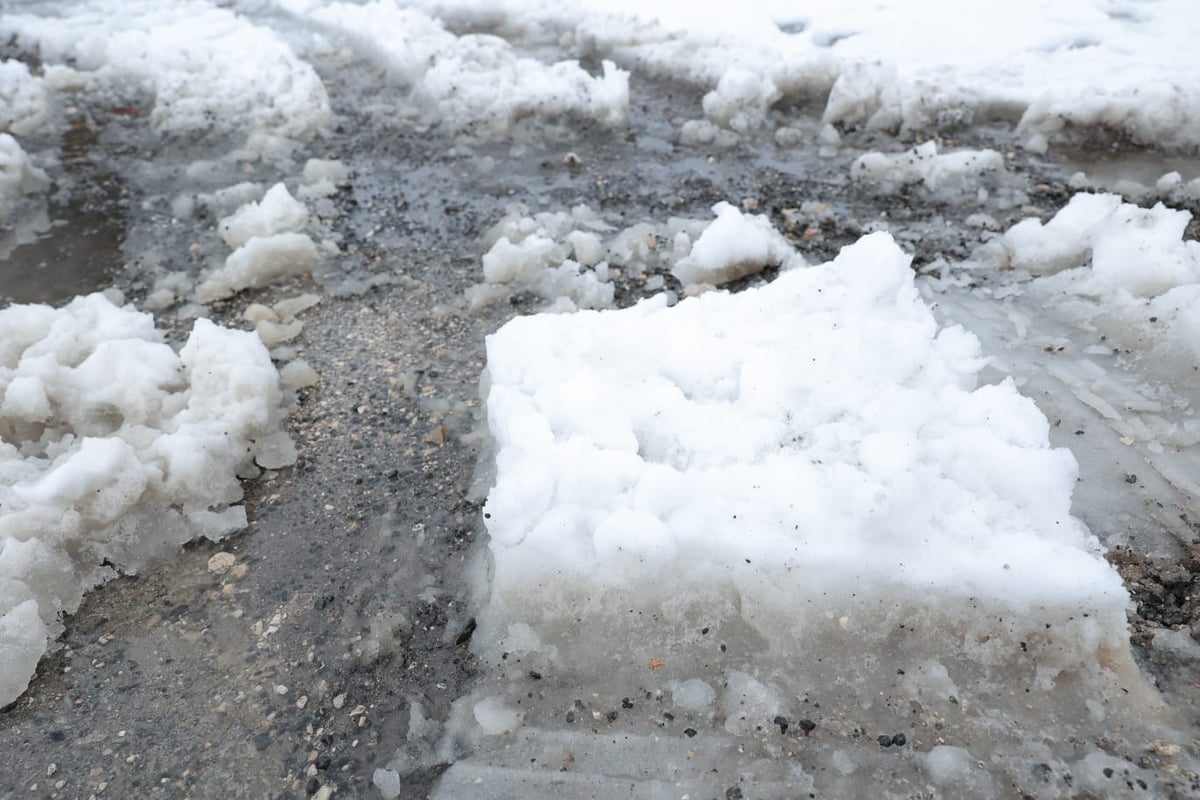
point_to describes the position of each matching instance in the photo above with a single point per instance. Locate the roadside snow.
(100, 475)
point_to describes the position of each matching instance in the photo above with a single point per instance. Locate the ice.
(734, 246)
(24, 106)
(18, 177)
(813, 464)
(205, 67)
(944, 174)
(472, 83)
(96, 474)
(387, 782)
(494, 717)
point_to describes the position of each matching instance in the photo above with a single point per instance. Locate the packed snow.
(812, 461)
(100, 475)
(18, 177)
(942, 174)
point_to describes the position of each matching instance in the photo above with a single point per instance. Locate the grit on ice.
(815, 462)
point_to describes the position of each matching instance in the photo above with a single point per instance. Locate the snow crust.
(97, 474)
(472, 82)
(814, 465)
(205, 67)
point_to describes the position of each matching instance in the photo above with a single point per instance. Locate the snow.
(1054, 67)
(23, 99)
(468, 83)
(811, 461)
(18, 177)
(96, 472)
(277, 212)
(942, 174)
(734, 246)
(205, 67)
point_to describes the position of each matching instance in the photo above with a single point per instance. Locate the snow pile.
(474, 82)
(18, 177)
(943, 174)
(734, 246)
(97, 473)
(813, 467)
(206, 67)
(898, 65)
(23, 103)
(268, 245)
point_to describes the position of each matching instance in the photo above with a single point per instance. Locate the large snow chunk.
(807, 468)
(733, 246)
(1140, 250)
(115, 449)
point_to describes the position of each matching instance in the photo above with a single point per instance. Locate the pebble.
(339, 700)
(220, 563)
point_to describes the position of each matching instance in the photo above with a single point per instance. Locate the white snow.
(894, 64)
(277, 212)
(259, 262)
(468, 83)
(810, 461)
(942, 174)
(734, 246)
(95, 471)
(23, 101)
(205, 67)
(18, 177)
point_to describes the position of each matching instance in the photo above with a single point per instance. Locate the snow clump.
(268, 245)
(23, 103)
(100, 475)
(733, 246)
(945, 174)
(815, 467)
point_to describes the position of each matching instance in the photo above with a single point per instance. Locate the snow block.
(806, 471)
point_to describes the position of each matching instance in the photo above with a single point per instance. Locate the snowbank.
(813, 465)
(206, 67)
(474, 82)
(97, 472)
(898, 65)
(18, 177)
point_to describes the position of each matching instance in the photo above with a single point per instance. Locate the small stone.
(689, 732)
(884, 740)
(339, 700)
(302, 702)
(808, 726)
(238, 572)
(782, 722)
(280, 689)
(220, 563)
(1131, 478)
(899, 740)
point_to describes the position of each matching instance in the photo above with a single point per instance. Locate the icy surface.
(97, 474)
(810, 461)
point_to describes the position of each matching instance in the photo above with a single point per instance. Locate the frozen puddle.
(786, 541)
